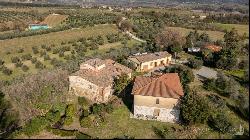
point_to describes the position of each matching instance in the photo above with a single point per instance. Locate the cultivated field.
(54, 19)
(214, 35)
(11, 45)
(240, 28)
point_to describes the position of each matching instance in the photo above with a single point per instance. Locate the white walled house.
(94, 80)
(157, 98)
(148, 61)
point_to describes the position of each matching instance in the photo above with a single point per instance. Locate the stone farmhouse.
(94, 80)
(157, 98)
(148, 61)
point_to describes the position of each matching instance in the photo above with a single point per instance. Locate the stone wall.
(165, 115)
(83, 88)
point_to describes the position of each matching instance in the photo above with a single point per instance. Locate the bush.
(53, 116)
(46, 57)
(61, 54)
(56, 51)
(68, 120)
(1, 62)
(98, 108)
(25, 68)
(185, 73)
(21, 50)
(82, 101)
(86, 121)
(34, 60)
(85, 113)
(42, 53)
(220, 123)
(36, 125)
(39, 65)
(26, 57)
(19, 64)
(15, 59)
(35, 50)
(194, 108)
(195, 63)
(70, 110)
(6, 71)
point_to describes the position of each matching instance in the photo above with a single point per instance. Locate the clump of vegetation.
(6, 70)
(1, 62)
(195, 63)
(25, 68)
(69, 114)
(35, 50)
(220, 122)
(15, 59)
(194, 108)
(21, 50)
(26, 57)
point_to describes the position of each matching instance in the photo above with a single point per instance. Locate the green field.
(214, 35)
(240, 28)
(12, 45)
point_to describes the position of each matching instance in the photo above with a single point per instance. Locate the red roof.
(213, 48)
(167, 86)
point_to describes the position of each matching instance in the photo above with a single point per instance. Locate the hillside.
(54, 19)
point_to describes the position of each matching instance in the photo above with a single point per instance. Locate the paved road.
(205, 72)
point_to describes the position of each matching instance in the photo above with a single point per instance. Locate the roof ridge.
(154, 79)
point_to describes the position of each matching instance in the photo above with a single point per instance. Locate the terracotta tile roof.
(151, 56)
(213, 48)
(167, 86)
(105, 76)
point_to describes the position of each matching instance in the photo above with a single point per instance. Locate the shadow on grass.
(127, 97)
(237, 112)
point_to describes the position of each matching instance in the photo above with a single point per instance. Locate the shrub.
(86, 121)
(1, 62)
(56, 63)
(83, 102)
(85, 113)
(185, 73)
(68, 120)
(42, 53)
(34, 60)
(26, 57)
(98, 108)
(19, 64)
(220, 123)
(53, 116)
(36, 125)
(35, 50)
(46, 57)
(6, 71)
(70, 110)
(25, 68)
(195, 63)
(194, 108)
(21, 50)
(39, 65)
(56, 51)
(61, 54)
(15, 59)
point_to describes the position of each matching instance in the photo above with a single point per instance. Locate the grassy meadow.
(240, 28)
(214, 35)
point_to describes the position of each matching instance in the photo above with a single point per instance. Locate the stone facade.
(156, 108)
(163, 114)
(83, 88)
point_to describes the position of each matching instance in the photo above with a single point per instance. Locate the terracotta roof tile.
(105, 76)
(167, 86)
(213, 48)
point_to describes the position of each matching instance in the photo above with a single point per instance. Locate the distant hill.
(137, 2)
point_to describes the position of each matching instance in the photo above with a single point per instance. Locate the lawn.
(240, 28)
(214, 35)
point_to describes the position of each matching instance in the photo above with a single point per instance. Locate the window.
(157, 101)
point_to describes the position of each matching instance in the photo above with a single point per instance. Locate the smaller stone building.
(148, 61)
(157, 98)
(95, 78)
